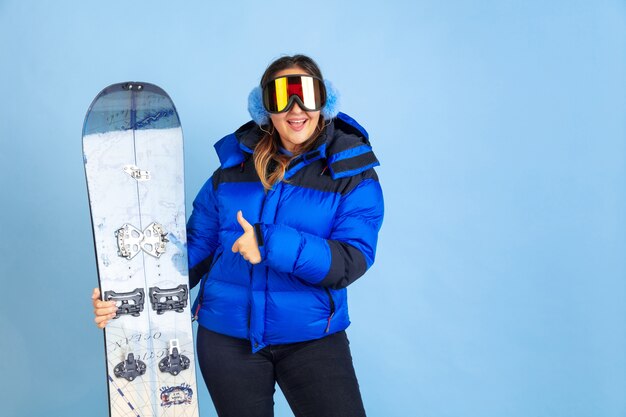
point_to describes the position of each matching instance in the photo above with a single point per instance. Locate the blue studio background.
(500, 282)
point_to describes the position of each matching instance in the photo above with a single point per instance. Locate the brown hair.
(269, 162)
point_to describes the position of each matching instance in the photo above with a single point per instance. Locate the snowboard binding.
(169, 299)
(127, 302)
(174, 363)
(130, 368)
(130, 240)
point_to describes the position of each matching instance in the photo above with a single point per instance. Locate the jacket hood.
(344, 144)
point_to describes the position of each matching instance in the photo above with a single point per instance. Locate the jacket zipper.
(202, 284)
(332, 308)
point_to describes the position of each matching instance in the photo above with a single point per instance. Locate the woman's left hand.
(247, 245)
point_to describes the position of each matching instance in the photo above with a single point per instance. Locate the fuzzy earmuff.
(262, 117)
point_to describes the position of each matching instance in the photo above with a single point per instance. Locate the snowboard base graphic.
(133, 154)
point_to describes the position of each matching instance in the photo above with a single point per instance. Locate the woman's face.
(295, 126)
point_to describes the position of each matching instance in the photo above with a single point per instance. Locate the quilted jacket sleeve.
(202, 233)
(344, 257)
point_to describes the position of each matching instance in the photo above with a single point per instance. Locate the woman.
(283, 226)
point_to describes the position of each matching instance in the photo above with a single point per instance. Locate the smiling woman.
(296, 124)
(289, 220)
(292, 103)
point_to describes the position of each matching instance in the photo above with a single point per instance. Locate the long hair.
(269, 162)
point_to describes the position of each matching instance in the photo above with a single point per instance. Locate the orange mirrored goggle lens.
(280, 94)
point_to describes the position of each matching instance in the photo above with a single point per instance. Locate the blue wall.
(500, 283)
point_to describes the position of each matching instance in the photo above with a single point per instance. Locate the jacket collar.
(344, 144)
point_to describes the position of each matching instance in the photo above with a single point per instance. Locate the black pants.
(316, 377)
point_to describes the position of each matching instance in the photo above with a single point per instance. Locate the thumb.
(95, 295)
(243, 222)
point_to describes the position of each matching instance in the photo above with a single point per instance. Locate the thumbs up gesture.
(247, 245)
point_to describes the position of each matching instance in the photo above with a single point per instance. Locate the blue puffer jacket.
(317, 232)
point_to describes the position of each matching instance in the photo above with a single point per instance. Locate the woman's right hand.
(103, 310)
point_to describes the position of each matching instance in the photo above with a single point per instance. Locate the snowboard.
(133, 155)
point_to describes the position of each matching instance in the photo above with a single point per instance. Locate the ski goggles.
(308, 91)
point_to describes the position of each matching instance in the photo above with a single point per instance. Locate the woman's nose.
(296, 108)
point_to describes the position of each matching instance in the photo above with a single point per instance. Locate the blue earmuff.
(262, 117)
